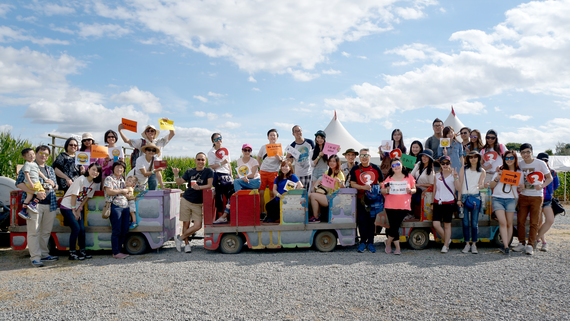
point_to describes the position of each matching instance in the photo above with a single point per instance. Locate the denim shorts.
(506, 204)
(547, 203)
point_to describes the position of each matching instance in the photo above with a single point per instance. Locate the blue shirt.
(455, 152)
(286, 185)
(51, 195)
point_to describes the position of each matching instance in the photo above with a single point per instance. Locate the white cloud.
(497, 109)
(346, 54)
(362, 57)
(200, 113)
(541, 137)
(520, 117)
(210, 116)
(213, 94)
(60, 29)
(8, 34)
(527, 52)
(251, 79)
(331, 72)
(442, 10)
(286, 126)
(387, 124)
(149, 102)
(50, 9)
(5, 8)
(227, 115)
(201, 98)
(255, 89)
(409, 13)
(101, 30)
(30, 19)
(302, 75)
(230, 125)
(264, 36)
(6, 128)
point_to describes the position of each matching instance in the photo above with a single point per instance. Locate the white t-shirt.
(244, 169)
(303, 164)
(213, 159)
(502, 190)
(268, 164)
(82, 188)
(536, 166)
(141, 163)
(160, 143)
(496, 162)
(442, 193)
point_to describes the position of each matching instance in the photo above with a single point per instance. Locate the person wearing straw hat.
(351, 161)
(149, 135)
(145, 164)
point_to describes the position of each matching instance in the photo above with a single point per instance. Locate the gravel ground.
(294, 284)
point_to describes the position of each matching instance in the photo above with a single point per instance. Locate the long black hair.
(468, 163)
(421, 148)
(429, 167)
(496, 147)
(401, 145)
(317, 150)
(330, 171)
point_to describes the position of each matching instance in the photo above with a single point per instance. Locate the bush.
(10, 153)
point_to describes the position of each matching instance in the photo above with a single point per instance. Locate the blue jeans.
(474, 215)
(120, 220)
(239, 184)
(77, 229)
(152, 182)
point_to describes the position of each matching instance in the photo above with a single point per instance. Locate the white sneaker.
(474, 248)
(519, 248)
(544, 247)
(529, 250)
(444, 249)
(178, 243)
(467, 248)
(187, 249)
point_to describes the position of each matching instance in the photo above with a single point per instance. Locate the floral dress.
(116, 183)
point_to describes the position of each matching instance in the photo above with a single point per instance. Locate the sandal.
(388, 249)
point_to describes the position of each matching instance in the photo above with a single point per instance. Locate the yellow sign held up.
(166, 124)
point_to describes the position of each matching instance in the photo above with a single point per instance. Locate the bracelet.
(456, 179)
(176, 177)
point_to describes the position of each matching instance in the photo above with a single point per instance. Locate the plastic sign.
(129, 124)
(490, 157)
(222, 152)
(368, 178)
(328, 181)
(273, 149)
(294, 152)
(243, 171)
(510, 178)
(99, 151)
(160, 164)
(82, 158)
(444, 142)
(386, 146)
(166, 124)
(290, 185)
(396, 153)
(115, 152)
(535, 178)
(398, 188)
(331, 149)
(408, 161)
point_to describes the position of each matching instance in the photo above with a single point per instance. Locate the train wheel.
(135, 244)
(419, 239)
(325, 241)
(231, 244)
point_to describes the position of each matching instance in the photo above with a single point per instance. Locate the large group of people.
(453, 174)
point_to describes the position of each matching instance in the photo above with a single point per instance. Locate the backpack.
(135, 154)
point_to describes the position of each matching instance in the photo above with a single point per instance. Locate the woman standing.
(219, 161)
(424, 174)
(446, 183)
(319, 159)
(110, 139)
(398, 189)
(492, 154)
(471, 179)
(247, 167)
(475, 142)
(454, 151)
(321, 195)
(115, 192)
(72, 205)
(64, 165)
(398, 139)
(547, 204)
(505, 199)
(286, 181)
(415, 149)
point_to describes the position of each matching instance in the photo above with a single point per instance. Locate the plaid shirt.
(51, 195)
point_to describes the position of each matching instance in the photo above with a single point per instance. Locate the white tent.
(453, 121)
(337, 134)
(559, 163)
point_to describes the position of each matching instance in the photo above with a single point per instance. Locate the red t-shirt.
(371, 175)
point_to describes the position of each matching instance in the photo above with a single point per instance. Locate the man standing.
(350, 156)
(200, 178)
(302, 165)
(530, 199)
(39, 227)
(433, 142)
(362, 177)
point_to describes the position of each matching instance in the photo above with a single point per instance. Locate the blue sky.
(68, 67)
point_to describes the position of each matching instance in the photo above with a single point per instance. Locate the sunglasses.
(111, 137)
(72, 145)
(200, 159)
(473, 136)
(465, 133)
(445, 164)
(43, 154)
(151, 150)
(150, 130)
(364, 155)
(247, 150)
(510, 158)
(491, 137)
(217, 139)
(396, 165)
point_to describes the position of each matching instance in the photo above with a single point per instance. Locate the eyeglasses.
(509, 158)
(445, 164)
(396, 165)
(200, 159)
(465, 133)
(364, 155)
(150, 130)
(473, 136)
(247, 150)
(437, 125)
(72, 145)
(111, 137)
(297, 131)
(43, 154)
(151, 150)
(217, 139)
(526, 152)
(491, 137)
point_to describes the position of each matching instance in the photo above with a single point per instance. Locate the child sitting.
(32, 172)
(130, 184)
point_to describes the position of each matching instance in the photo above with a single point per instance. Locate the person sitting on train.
(320, 197)
(247, 169)
(285, 181)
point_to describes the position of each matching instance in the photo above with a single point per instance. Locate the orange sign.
(129, 124)
(273, 149)
(510, 178)
(99, 151)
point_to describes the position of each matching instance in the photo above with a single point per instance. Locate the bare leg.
(549, 215)
(134, 217)
(195, 228)
(447, 233)
(261, 201)
(509, 219)
(314, 204)
(397, 244)
(185, 226)
(503, 229)
(439, 229)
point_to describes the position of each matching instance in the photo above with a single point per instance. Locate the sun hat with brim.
(350, 150)
(444, 158)
(150, 145)
(474, 153)
(427, 152)
(143, 134)
(87, 136)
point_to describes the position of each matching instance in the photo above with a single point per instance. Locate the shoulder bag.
(472, 202)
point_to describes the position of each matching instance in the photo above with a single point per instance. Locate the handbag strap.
(465, 174)
(448, 188)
